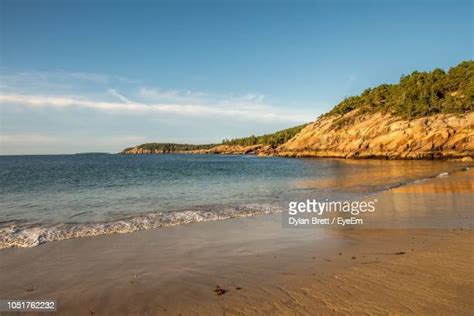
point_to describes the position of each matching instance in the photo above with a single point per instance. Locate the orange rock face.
(378, 135)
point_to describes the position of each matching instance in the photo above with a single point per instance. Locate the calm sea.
(45, 198)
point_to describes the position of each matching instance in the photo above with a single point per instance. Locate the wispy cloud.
(247, 107)
(161, 95)
(62, 77)
(101, 92)
(119, 96)
(58, 82)
(175, 96)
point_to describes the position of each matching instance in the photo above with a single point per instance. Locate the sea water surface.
(47, 198)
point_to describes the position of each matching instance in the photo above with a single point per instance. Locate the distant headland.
(427, 115)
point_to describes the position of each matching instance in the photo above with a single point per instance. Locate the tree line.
(418, 94)
(274, 139)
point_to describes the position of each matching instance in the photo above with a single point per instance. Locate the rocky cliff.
(379, 135)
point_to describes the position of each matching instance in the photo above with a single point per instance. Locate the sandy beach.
(253, 265)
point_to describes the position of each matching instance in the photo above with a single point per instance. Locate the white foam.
(18, 235)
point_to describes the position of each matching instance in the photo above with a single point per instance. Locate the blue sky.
(103, 75)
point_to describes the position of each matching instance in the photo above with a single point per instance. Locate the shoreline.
(261, 267)
(39, 235)
(302, 154)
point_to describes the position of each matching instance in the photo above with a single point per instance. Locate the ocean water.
(47, 198)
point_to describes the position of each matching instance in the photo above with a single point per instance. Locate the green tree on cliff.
(418, 94)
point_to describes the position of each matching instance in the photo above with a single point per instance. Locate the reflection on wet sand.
(435, 203)
(464, 183)
(374, 173)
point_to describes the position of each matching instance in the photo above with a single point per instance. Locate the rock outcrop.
(379, 135)
(139, 151)
(241, 150)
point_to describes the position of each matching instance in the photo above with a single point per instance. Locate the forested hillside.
(418, 94)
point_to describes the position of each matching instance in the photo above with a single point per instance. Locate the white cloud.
(175, 96)
(160, 95)
(245, 108)
(61, 89)
(114, 93)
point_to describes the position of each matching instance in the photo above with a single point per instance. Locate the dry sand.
(259, 267)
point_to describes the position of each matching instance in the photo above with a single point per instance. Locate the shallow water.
(47, 198)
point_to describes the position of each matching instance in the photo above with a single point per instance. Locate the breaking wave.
(16, 234)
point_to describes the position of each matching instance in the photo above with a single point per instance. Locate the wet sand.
(415, 257)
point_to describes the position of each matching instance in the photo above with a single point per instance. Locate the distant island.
(165, 148)
(427, 115)
(228, 146)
